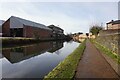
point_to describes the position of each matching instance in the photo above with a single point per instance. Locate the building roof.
(114, 22)
(53, 26)
(30, 23)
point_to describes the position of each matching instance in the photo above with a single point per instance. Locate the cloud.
(72, 17)
(59, 0)
(66, 22)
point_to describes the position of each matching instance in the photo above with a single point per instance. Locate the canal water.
(35, 60)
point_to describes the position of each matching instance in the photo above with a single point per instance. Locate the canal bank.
(67, 68)
(13, 41)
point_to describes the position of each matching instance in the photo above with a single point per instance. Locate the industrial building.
(57, 32)
(18, 27)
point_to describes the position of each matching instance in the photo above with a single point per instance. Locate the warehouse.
(57, 32)
(17, 27)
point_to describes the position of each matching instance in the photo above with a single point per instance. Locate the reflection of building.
(57, 32)
(1, 56)
(21, 53)
(17, 27)
(56, 46)
(113, 24)
(1, 22)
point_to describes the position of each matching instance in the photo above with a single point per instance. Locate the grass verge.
(67, 68)
(106, 51)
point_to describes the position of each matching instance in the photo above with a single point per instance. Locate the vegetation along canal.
(35, 60)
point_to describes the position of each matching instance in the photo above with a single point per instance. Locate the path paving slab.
(94, 65)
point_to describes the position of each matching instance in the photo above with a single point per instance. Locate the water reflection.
(1, 56)
(56, 46)
(18, 54)
(34, 61)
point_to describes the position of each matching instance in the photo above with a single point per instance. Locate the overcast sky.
(70, 16)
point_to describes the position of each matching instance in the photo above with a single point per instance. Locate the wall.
(34, 32)
(110, 39)
(6, 28)
(113, 26)
(109, 32)
(27, 32)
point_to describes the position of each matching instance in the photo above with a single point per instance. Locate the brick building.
(17, 27)
(113, 24)
(57, 32)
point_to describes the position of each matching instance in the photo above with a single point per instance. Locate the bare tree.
(95, 29)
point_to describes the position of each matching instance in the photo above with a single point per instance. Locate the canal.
(35, 60)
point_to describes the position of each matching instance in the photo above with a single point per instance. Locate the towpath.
(94, 65)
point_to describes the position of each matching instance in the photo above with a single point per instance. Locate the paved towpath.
(94, 65)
